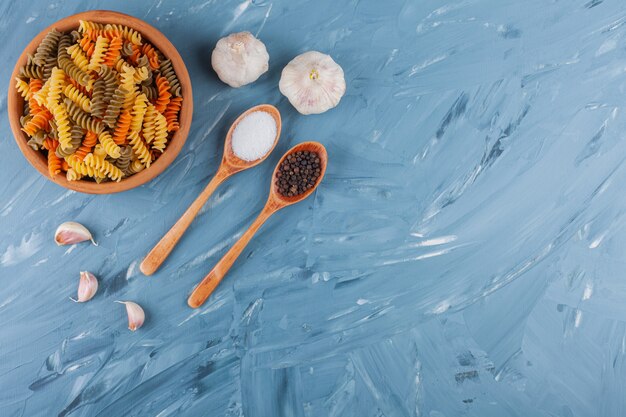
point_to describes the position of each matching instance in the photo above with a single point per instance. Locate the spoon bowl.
(275, 202)
(279, 200)
(231, 164)
(232, 161)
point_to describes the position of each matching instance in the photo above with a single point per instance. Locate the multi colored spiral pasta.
(99, 101)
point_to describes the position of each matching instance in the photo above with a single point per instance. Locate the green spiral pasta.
(48, 66)
(31, 71)
(110, 81)
(54, 131)
(123, 162)
(65, 41)
(77, 134)
(114, 107)
(150, 91)
(98, 103)
(127, 49)
(167, 71)
(36, 141)
(81, 118)
(47, 47)
(25, 119)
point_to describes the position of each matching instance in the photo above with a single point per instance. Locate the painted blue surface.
(464, 255)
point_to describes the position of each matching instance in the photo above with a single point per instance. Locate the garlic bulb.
(312, 82)
(70, 233)
(136, 315)
(239, 59)
(87, 287)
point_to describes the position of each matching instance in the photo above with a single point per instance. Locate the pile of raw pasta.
(100, 101)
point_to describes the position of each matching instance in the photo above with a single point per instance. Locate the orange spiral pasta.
(79, 87)
(134, 57)
(89, 142)
(35, 86)
(163, 89)
(54, 162)
(153, 58)
(122, 127)
(87, 46)
(113, 53)
(40, 121)
(171, 113)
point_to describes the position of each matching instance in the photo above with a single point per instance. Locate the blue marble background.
(464, 255)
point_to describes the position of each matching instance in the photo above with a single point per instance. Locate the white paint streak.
(588, 291)
(29, 245)
(436, 241)
(597, 241)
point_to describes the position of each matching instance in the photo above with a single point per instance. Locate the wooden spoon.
(275, 202)
(230, 165)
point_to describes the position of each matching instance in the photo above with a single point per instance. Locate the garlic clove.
(87, 287)
(239, 59)
(313, 82)
(136, 315)
(70, 233)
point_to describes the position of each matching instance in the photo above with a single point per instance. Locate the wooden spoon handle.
(161, 251)
(210, 282)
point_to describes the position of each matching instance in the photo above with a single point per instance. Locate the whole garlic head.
(312, 82)
(239, 59)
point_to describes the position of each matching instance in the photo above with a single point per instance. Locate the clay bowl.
(37, 159)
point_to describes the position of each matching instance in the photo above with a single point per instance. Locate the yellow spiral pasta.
(62, 121)
(79, 57)
(120, 65)
(108, 145)
(138, 112)
(160, 134)
(149, 123)
(104, 167)
(97, 57)
(135, 166)
(141, 74)
(140, 149)
(22, 87)
(127, 82)
(124, 32)
(84, 26)
(77, 97)
(81, 168)
(57, 83)
(73, 175)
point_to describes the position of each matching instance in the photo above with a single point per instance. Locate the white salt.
(254, 136)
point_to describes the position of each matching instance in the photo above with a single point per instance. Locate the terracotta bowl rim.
(176, 142)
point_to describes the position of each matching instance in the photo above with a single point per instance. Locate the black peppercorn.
(298, 173)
